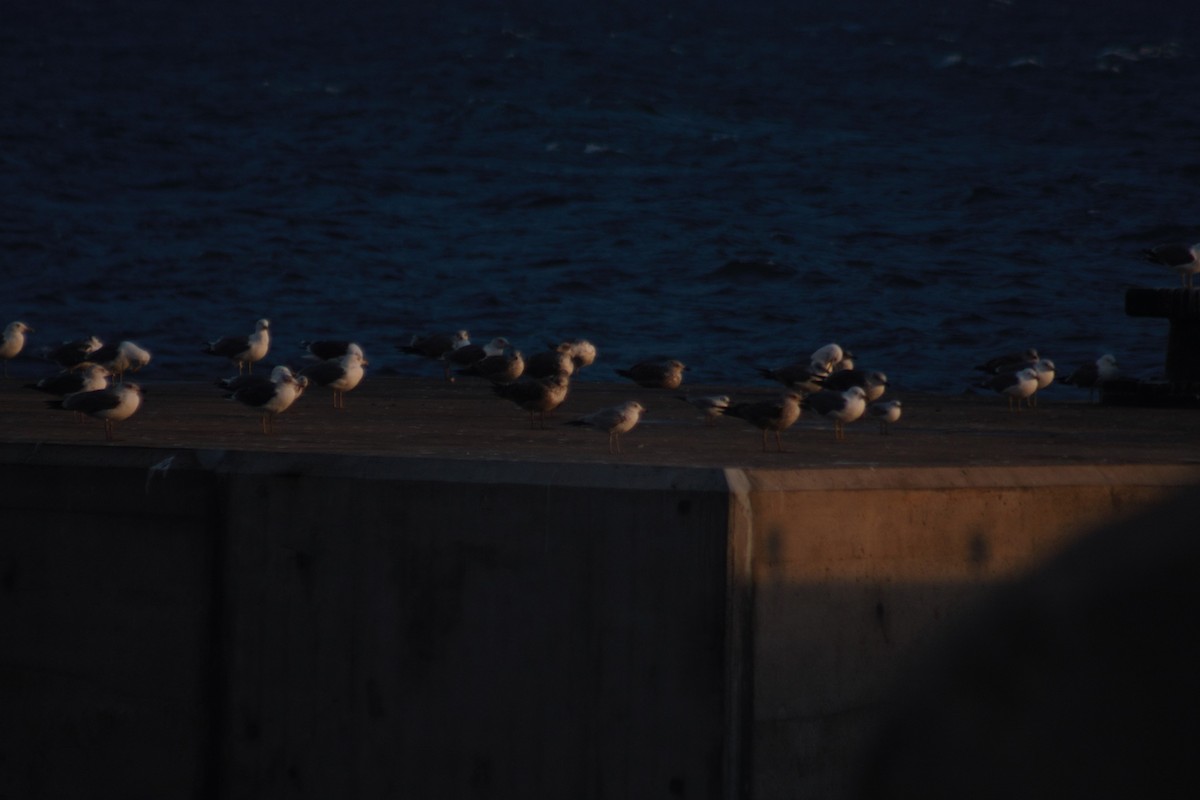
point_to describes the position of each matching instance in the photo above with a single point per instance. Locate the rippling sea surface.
(928, 184)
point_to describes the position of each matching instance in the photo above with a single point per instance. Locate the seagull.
(873, 382)
(536, 395)
(551, 362)
(583, 352)
(775, 415)
(112, 404)
(325, 349)
(1044, 369)
(841, 407)
(887, 413)
(75, 352)
(712, 405)
(340, 374)
(436, 347)
(83, 378)
(243, 350)
(1182, 258)
(13, 342)
(614, 421)
(270, 397)
(824, 358)
(469, 354)
(503, 368)
(655, 374)
(1009, 362)
(1094, 374)
(231, 385)
(804, 377)
(1017, 386)
(120, 358)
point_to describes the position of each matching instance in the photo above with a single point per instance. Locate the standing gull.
(270, 397)
(1017, 386)
(887, 413)
(841, 407)
(339, 374)
(112, 405)
(614, 421)
(1184, 259)
(655, 374)
(711, 405)
(767, 415)
(536, 395)
(1044, 369)
(13, 342)
(243, 350)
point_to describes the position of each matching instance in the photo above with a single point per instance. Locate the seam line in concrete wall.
(739, 627)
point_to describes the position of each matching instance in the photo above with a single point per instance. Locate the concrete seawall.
(184, 622)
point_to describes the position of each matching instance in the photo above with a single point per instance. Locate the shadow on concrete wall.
(1076, 681)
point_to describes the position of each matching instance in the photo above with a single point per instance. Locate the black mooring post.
(1181, 308)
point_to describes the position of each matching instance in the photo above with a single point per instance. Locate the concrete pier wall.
(207, 623)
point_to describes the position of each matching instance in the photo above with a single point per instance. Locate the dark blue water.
(925, 183)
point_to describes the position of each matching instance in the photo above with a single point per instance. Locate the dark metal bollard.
(1181, 308)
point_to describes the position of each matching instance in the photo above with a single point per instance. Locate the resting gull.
(1184, 259)
(1094, 374)
(469, 354)
(614, 421)
(583, 352)
(112, 404)
(873, 382)
(1017, 386)
(551, 362)
(120, 358)
(339, 374)
(841, 407)
(825, 358)
(536, 395)
(83, 378)
(75, 352)
(886, 412)
(243, 350)
(666, 374)
(711, 405)
(769, 415)
(13, 342)
(1009, 362)
(436, 347)
(325, 349)
(270, 397)
(805, 377)
(278, 373)
(503, 368)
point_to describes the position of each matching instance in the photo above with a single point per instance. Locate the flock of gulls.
(826, 383)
